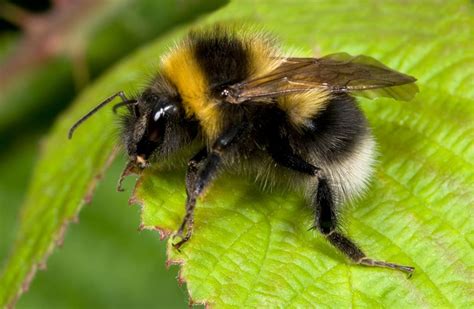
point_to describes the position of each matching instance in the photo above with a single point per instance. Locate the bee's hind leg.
(202, 168)
(326, 222)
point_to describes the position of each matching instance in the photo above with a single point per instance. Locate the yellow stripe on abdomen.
(301, 108)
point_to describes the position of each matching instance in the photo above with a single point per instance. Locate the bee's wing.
(341, 72)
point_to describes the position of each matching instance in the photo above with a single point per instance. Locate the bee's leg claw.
(180, 233)
(408, 270)
(178, 245)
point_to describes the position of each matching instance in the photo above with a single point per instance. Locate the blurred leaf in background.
(106, 262)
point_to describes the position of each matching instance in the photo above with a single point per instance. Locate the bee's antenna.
(124, 103)
(95, 109)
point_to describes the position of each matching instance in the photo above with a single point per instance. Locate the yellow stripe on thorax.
(181, 68)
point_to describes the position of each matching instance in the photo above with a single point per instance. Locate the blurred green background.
(49, 51)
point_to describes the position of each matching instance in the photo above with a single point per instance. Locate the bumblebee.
(250, 109)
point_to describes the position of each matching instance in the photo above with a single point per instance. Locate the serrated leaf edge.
(58, 238)
(165, 234)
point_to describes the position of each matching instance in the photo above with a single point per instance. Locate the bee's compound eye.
(163, 110)
(159, 114)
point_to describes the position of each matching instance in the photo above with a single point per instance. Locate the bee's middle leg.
(283, 154)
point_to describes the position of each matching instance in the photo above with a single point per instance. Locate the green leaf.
(252, 248)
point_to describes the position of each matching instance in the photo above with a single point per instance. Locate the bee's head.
(154, 127)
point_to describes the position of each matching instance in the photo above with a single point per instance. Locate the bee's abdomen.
(336, 131)
(341, 144)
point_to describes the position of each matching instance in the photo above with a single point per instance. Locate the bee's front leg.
(192, 176)
(202, 169)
